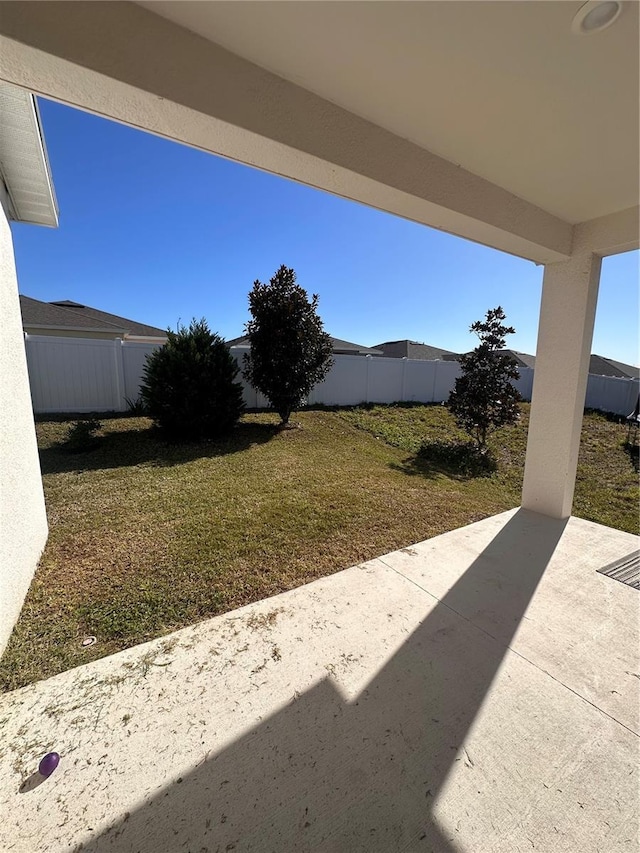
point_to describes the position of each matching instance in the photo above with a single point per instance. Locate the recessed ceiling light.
(595, 15)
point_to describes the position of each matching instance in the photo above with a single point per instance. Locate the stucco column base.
(567, 315)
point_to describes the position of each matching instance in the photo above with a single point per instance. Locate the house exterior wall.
(23, 520)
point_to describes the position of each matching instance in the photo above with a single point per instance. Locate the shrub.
(135, 408)
(290, 351)
(483, 398)
(81, 436)
(462, 457)
(189, 386)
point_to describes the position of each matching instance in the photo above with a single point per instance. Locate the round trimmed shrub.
(189, 385)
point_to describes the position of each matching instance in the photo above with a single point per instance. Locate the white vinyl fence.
(83, 375)
(612, 394)
(371, 379)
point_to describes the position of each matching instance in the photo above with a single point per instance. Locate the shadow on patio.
(325, 773)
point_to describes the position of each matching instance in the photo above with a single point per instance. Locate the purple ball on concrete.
(48, 764)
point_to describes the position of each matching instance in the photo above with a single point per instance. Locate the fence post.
(404, 384)
(120, 402)
(33, 387)
(435, 378)
(366, 381)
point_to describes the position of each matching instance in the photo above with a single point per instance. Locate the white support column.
(567, 314)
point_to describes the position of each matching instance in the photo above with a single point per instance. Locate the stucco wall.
(23, 520)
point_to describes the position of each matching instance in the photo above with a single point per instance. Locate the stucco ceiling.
(503, 89)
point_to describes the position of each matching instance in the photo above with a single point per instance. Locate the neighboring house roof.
(242, 341)
(339, 347)
(598, 365)
(602, 366)
(413, 349)
(132, 327)
(347, 348)
(37, 314)
(522, 359)
(74, 316)
(24, 165)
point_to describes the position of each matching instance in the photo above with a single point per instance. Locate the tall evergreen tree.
(290, 351)
(483, 398)
(189, 385)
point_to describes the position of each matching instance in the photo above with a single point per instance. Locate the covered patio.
(476, 692)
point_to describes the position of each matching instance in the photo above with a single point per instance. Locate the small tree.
(290, 351)
(483, 398)
(189, 386)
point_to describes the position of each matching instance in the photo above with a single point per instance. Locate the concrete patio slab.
(452, 696)
(577, 624)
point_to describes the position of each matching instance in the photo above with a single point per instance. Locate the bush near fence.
(85, 375)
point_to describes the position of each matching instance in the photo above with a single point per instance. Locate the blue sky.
(161, 233)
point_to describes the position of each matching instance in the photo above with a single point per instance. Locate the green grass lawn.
(146, 538)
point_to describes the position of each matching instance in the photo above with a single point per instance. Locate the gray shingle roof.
(242, 341)
(522, 359)
(339, 346)
(598, 365)
(132, 327)
(37, 313)
(413, 349)
(602, 366)
(73, 315)
(347, 347)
